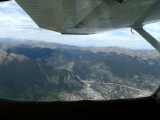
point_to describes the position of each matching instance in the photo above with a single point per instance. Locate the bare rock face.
(61, 72)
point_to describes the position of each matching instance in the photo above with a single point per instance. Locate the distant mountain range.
(52, 71)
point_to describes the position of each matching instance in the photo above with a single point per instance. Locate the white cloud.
(10, 4)
(15, 23)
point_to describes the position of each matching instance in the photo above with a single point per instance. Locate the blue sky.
(15, 23)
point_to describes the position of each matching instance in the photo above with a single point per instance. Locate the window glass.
(37, 64)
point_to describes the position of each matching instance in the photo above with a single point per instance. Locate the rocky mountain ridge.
(59, 72)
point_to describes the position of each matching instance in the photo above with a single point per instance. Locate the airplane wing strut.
(138, 26)
(148, 37)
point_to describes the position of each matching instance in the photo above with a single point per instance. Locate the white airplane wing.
(90, 16)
